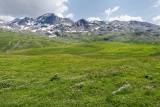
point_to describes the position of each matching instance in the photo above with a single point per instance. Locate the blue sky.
(108, 10)
(96, 8)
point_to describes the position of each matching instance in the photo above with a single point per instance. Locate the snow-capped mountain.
(1, 21)
(52, 19)
(50, 24)
(3, 25)
(24, 23)
(45, 23)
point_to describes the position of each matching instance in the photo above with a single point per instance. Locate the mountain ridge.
(49, 23)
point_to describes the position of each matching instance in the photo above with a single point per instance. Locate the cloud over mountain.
(94, 19)
(32, 8)
(70, 15)
(110, 11)
(126, 18)
(6, 18)
(157, 19)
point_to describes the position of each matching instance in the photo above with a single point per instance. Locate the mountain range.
(50, 24)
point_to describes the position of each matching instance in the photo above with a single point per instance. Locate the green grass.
(100, 50)
(81, 75)
(10, 41)
(136, 37)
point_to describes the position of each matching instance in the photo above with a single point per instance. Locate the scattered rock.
(148, 76)
(81, 83)
(153, 86)
(121, 88)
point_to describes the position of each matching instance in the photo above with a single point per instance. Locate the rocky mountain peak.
(82, 22)
(49, 18)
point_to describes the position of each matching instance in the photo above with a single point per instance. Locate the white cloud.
(157, 4)
(32, 8)
(70, 15)
(59, 15)
(110, 11)
(115, 9)
(7, 18)
(125, 18)
(156, 19)
(94, 19)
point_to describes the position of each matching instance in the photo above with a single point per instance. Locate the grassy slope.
(10, 41)
(139, 37)
(89, 73)
(98, 50)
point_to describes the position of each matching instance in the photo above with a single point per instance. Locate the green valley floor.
(98, 74)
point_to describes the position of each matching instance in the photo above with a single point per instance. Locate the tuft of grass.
(4, 85)
(55, 77)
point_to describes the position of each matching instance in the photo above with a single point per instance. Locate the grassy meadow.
(56, 74)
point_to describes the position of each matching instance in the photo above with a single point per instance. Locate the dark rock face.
(25, 20)
(82, 22)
